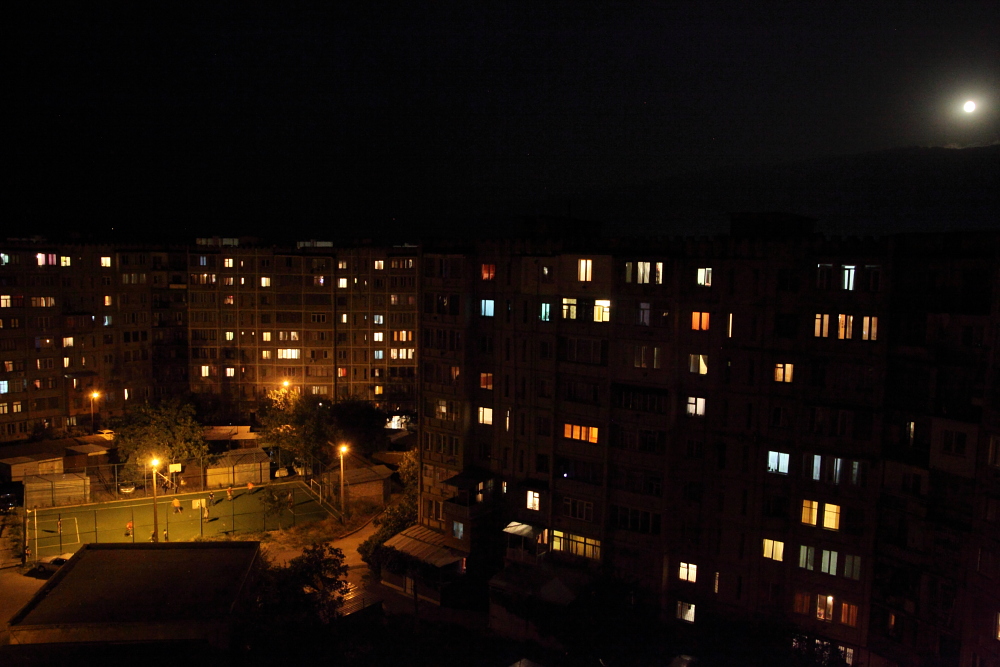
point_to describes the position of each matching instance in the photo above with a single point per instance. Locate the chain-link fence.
(105, 482)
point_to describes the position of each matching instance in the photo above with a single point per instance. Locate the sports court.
(55, 530)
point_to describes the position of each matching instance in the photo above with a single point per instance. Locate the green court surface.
(56, 530)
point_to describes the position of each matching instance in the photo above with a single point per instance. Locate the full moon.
(970, 106)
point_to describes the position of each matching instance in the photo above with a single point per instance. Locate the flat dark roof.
(128, 583)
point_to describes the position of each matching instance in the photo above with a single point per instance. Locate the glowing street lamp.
(343, 508)
(94, 395)
(155, 463)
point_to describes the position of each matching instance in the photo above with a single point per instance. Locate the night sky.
(318, 124)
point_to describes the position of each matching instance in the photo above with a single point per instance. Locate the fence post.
(115, 468)
(96, 538)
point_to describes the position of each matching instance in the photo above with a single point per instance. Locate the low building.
(371, 483)
(190, 593)
(239, 467)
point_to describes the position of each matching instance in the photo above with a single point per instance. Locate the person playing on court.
(128, 529)
(229, 494)
(177, 505)
(250, 488)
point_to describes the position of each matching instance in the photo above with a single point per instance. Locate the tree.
(273, 504)
(305, 425)
(167, 431)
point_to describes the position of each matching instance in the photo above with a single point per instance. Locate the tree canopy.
(167, 431)
(304, 425)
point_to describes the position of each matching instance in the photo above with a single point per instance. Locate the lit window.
(457, 529)
(821, 328)
(828, 562)
(695, 406)
(534, 501)
(379, 264)
(699, 321)
(486, 380)
(705, 277)
(486, 307)
(266, 336)
(807, 556)
(230, 372)
(783, 372)
(577, 432)
(715, 584)
(810, 512)
(777, 462)
(265, 281)
(489, 271)
(377, 336)
(546, 314)
(578, 545)
(688, 572)
(378, 319)
(628, 272)
(230, 335)
(486, 416)
(602, 310)
(584, 268)
(685, 611)
(379, 354)
(341, 372)
(658, 273)
(849, 614)
(67, 342)
(319, 281)
(852, 567)
(265, 354)
(378, 390)
(227, 262)
(831, 517)
(997, 624)
(343, 318)
(105, 261)
(65, 261)
(4, 387)
(229, 300)
(643, 273)
(698, 363)
(869, 328)
(342, 283)
(569, 309)
(289, 353)
(824, 607)
(773, 549)
(341, 263)
(845, 326)
(847, 277)
(204, 371)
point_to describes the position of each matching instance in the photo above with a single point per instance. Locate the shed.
(238, 467)
(58, 489)
(31, 458)
(371, 483)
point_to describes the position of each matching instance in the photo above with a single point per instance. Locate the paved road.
(349, 545)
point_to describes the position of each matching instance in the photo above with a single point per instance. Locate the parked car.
(53, 563)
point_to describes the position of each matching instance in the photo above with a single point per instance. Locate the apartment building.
(315, 319)
(85, 326)
(769, 423)
(74, 334)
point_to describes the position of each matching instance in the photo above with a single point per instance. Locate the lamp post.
(93, 397)
(343, 508)
(155, 463)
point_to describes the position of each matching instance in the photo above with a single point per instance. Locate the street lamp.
(94, 395)
(343, 508)
(155, 463)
